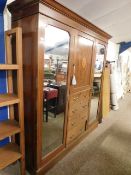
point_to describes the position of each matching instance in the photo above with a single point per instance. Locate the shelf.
(12, 152)
(9, 67)
(8, 99)
(8, 128)
(9, 154)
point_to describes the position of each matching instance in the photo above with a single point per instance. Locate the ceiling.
(113, 16)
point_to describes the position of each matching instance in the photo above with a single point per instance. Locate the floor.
(106, 151)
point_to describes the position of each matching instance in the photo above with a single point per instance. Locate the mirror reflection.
(54, 87)
(96, 87)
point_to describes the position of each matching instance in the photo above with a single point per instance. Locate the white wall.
(7, 17)
(112, 52)
(125, 66)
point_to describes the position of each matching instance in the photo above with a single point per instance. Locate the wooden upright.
(14, 126)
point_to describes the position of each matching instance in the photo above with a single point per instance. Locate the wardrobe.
(63, 62)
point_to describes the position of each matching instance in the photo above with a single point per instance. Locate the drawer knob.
(75, 98)
(73, 111)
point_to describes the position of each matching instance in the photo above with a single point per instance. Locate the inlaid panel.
(83, 61)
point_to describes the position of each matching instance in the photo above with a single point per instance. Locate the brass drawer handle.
(75, 98)
(72, 124)
(83, 117)
(73, 111)
(71, 137)
(84, 106)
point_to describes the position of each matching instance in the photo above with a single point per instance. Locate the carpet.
(52, 133)
(106, 151)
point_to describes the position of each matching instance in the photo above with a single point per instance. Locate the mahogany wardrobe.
(63, 62)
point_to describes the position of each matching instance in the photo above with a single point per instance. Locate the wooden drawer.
(85, 96)
(84, 107)
(74, 121)
(75, 132)
(77, 115)
(78, 101)
(72, 124)
(74, 114)
(75, 101)
(84, 115)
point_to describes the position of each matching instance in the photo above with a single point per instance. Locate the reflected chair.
(61, 100)
(49, 95)
(96, 89)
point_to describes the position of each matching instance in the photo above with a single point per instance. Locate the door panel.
(83, 61)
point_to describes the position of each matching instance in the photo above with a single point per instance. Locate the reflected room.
(54, 87)
(96, 87)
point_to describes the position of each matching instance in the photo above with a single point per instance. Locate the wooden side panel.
(30, 61)
(106, 92)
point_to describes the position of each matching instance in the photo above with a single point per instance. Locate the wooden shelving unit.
(9, 128)
(14, 150)
(9, 154)
(8, 99)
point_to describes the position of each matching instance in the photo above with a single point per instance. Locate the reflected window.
(55, 68)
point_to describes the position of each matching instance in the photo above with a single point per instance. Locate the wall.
(3, 111)
(7, 17)
(112, 52)
(123, 81)
(4, 25)
(125, 70)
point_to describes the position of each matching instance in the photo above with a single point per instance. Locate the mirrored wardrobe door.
(97, 83)
(55, 70)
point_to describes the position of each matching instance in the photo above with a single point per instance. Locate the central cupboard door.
(80, 92)
(83, 61)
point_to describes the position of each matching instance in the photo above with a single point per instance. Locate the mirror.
(55, 68)
(96, 87)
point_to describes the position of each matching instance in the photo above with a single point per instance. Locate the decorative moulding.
(17, 7)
